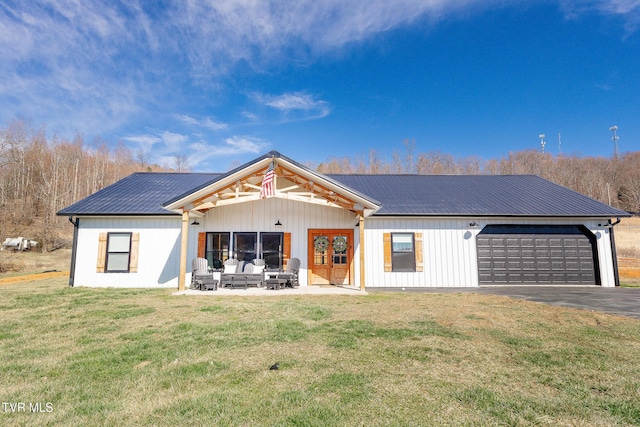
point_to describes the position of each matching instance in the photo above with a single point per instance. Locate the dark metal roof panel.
(138, 194)
(481, 195)
(433, 195)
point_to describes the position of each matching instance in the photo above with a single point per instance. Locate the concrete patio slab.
(302, 290)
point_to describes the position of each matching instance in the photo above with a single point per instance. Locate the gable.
(292, 181)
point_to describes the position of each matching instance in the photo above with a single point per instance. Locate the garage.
(537, 254)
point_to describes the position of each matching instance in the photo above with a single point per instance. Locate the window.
(272, 249)
(320, 250)
(403, 252)
(244, 246)
(118, 252)
(340, 244)
(217, 249)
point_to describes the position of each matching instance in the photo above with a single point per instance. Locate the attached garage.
(537, 254)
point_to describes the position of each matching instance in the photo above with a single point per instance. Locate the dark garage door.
(531, 254)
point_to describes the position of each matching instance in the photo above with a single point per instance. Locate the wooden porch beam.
(361, 229)
(184, 245)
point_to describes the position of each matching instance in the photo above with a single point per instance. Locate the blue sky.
(222, 82)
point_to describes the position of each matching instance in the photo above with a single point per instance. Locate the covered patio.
(275, 209)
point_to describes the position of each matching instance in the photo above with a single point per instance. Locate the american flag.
(267, 189)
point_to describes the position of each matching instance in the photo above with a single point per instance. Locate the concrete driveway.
(619, 301)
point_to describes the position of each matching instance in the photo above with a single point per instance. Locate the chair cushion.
(230, 269)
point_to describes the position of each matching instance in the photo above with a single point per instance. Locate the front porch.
(234, 217)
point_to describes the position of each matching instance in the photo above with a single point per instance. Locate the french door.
(330, 257)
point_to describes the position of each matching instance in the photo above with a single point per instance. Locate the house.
(361, 230)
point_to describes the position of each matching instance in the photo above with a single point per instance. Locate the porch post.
(361, 227)
(184, 244)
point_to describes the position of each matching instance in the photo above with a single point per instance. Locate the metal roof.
(419, 195)
(138, 194)
(480, 195)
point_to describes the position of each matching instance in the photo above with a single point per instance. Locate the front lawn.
(144, 357)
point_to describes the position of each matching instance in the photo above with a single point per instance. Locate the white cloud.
(293, 106)
(201, 153)
(162, 148)
(628, 10)
(245, 144)
(143, 143)
(292, 101)
(174, 141)
(207, 123)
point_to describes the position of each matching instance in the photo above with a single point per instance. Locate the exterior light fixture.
(278, 224)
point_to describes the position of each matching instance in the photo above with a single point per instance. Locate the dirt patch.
(32, 262)
(33, 277)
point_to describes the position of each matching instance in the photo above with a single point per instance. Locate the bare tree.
(181, 163)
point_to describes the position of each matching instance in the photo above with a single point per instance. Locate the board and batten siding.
(448, 244)
(261, 216)
(449, 249)
(158, 252)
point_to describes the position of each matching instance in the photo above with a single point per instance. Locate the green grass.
(106, 357)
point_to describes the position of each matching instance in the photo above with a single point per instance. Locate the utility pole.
(615, 139)
(542, 143)
(559, 143)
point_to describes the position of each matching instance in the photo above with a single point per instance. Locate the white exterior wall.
(158, 254)
(449, 249)
(449, 244)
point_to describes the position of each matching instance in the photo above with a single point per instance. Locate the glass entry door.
(330, 257)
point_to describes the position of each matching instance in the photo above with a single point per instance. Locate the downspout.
(74, 248)
(616, 274)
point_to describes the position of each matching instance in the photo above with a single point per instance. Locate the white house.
(362, 230)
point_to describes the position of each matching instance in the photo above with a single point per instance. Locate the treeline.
(38, 177)
(614, 181)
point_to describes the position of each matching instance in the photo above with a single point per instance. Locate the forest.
(40, 175)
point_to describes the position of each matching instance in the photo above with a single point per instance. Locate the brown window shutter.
(418, 249)
(286, 249)
(102, 252)
(386, 243)
(133, 256)
(202, 243)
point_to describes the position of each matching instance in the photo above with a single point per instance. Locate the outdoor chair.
(291, 272)
(230, 268)
(201, 279)
(254, 272)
